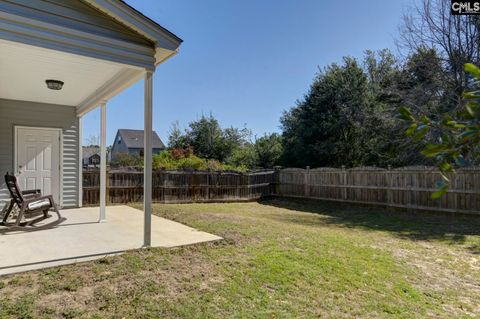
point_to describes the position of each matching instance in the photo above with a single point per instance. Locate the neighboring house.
(61, 59)
(131, 142)
(91, 156)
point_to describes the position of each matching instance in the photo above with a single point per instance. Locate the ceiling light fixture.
(54, 84)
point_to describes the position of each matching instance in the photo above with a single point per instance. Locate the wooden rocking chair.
(29, 204)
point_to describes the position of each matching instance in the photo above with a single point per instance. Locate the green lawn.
(280, 259)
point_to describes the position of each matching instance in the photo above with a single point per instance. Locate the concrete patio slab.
(81, 238)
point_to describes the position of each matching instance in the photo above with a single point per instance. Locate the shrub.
(127, 160)
(184, 159)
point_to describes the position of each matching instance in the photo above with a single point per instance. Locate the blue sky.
(247, 61)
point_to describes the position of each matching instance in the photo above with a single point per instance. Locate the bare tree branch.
(455, 38)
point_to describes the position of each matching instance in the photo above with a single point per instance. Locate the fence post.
(239, 180)
(344, 182)
(306, 181)
(165, 187)
(208, 186)
(455, 194)
(107, 187)
(388, 184)
(276, 181)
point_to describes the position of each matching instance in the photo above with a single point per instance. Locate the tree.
(244, 156)
(268, 150)
(384, 146)
(459, 137)
(92, 140)
(349, 115)
(208, 139)
(455, 37)
(264, 153)
(325, 128)
(415, 83)
(175, 137)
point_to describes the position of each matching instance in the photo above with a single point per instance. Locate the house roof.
(134, 138)
(88, 151)
(152, 21)
(166, 42)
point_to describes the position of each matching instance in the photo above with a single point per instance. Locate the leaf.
(421, 131)
(405, 114)
(425, 120)
(468, 134)
(445, 167)
(440, 192)
(470, 95)
(448, 120)
(469, 109)
(472, 69)
(411, 130)
(450, 123)
(445, 178)
(433, 150)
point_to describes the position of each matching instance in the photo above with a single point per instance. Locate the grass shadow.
(448, 228)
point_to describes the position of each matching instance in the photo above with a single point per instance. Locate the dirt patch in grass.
(441, 269)
(112, 286)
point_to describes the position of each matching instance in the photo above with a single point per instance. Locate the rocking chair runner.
(29, 204)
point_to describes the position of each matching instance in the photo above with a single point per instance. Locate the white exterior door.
(38, 160)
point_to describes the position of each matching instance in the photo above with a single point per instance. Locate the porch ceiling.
(24, 69)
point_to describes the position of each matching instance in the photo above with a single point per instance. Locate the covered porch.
(82, 238)
(59, 60)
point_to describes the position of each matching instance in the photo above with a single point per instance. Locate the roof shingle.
(134, 138)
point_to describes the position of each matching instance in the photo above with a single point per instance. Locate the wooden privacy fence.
(407, 188)
(179, 186)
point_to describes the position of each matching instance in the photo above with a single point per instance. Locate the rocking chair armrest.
(32, 192)
(35, 199)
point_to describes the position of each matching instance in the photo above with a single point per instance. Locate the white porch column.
(147, 159)
(103, 161)
(80, 162)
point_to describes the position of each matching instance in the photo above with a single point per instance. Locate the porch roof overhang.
(94, 67)
(166, 43)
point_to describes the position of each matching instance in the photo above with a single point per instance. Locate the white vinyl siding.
(75, 27)
(72, 14)
(21, 113)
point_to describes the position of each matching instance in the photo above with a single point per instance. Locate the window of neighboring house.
(119, 140)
